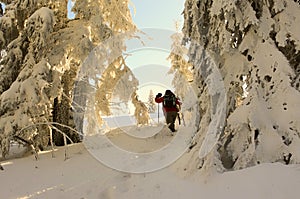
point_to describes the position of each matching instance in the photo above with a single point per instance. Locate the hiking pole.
(157, 113)
(182, 118)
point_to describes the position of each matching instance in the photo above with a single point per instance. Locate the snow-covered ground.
(82, 176)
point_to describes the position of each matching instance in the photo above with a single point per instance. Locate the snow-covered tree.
(151, 102)
(44, 52)
(255, 46)
(26, 75)
(141, 111)
(180, 67)
(117, 81)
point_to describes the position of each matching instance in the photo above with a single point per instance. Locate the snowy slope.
(82, 176)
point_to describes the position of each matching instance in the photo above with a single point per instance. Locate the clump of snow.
(286, 26)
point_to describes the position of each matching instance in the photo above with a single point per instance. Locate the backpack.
(169, 101)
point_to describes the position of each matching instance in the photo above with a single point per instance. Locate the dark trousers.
(170, 119)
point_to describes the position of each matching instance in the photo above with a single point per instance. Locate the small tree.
(141, 111)
(151, 103)
(180, 67)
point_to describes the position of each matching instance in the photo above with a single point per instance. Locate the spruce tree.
(44, 52)
(151, 103)
(255, 47)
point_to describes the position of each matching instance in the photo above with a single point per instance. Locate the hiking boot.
(172, 129)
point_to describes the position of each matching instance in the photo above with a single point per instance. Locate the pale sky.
(148, 62)
(158, 13)
(155, 13)
(150, 65)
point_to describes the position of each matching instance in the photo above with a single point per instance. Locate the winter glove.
(158, 95)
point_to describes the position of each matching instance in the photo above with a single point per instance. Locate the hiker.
(170, 108)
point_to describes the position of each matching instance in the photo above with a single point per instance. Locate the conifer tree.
(141, 111)
(180, 67)
(44, 53)
(255, 47)
(151, 103)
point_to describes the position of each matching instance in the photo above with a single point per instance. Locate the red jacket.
(166, 109)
